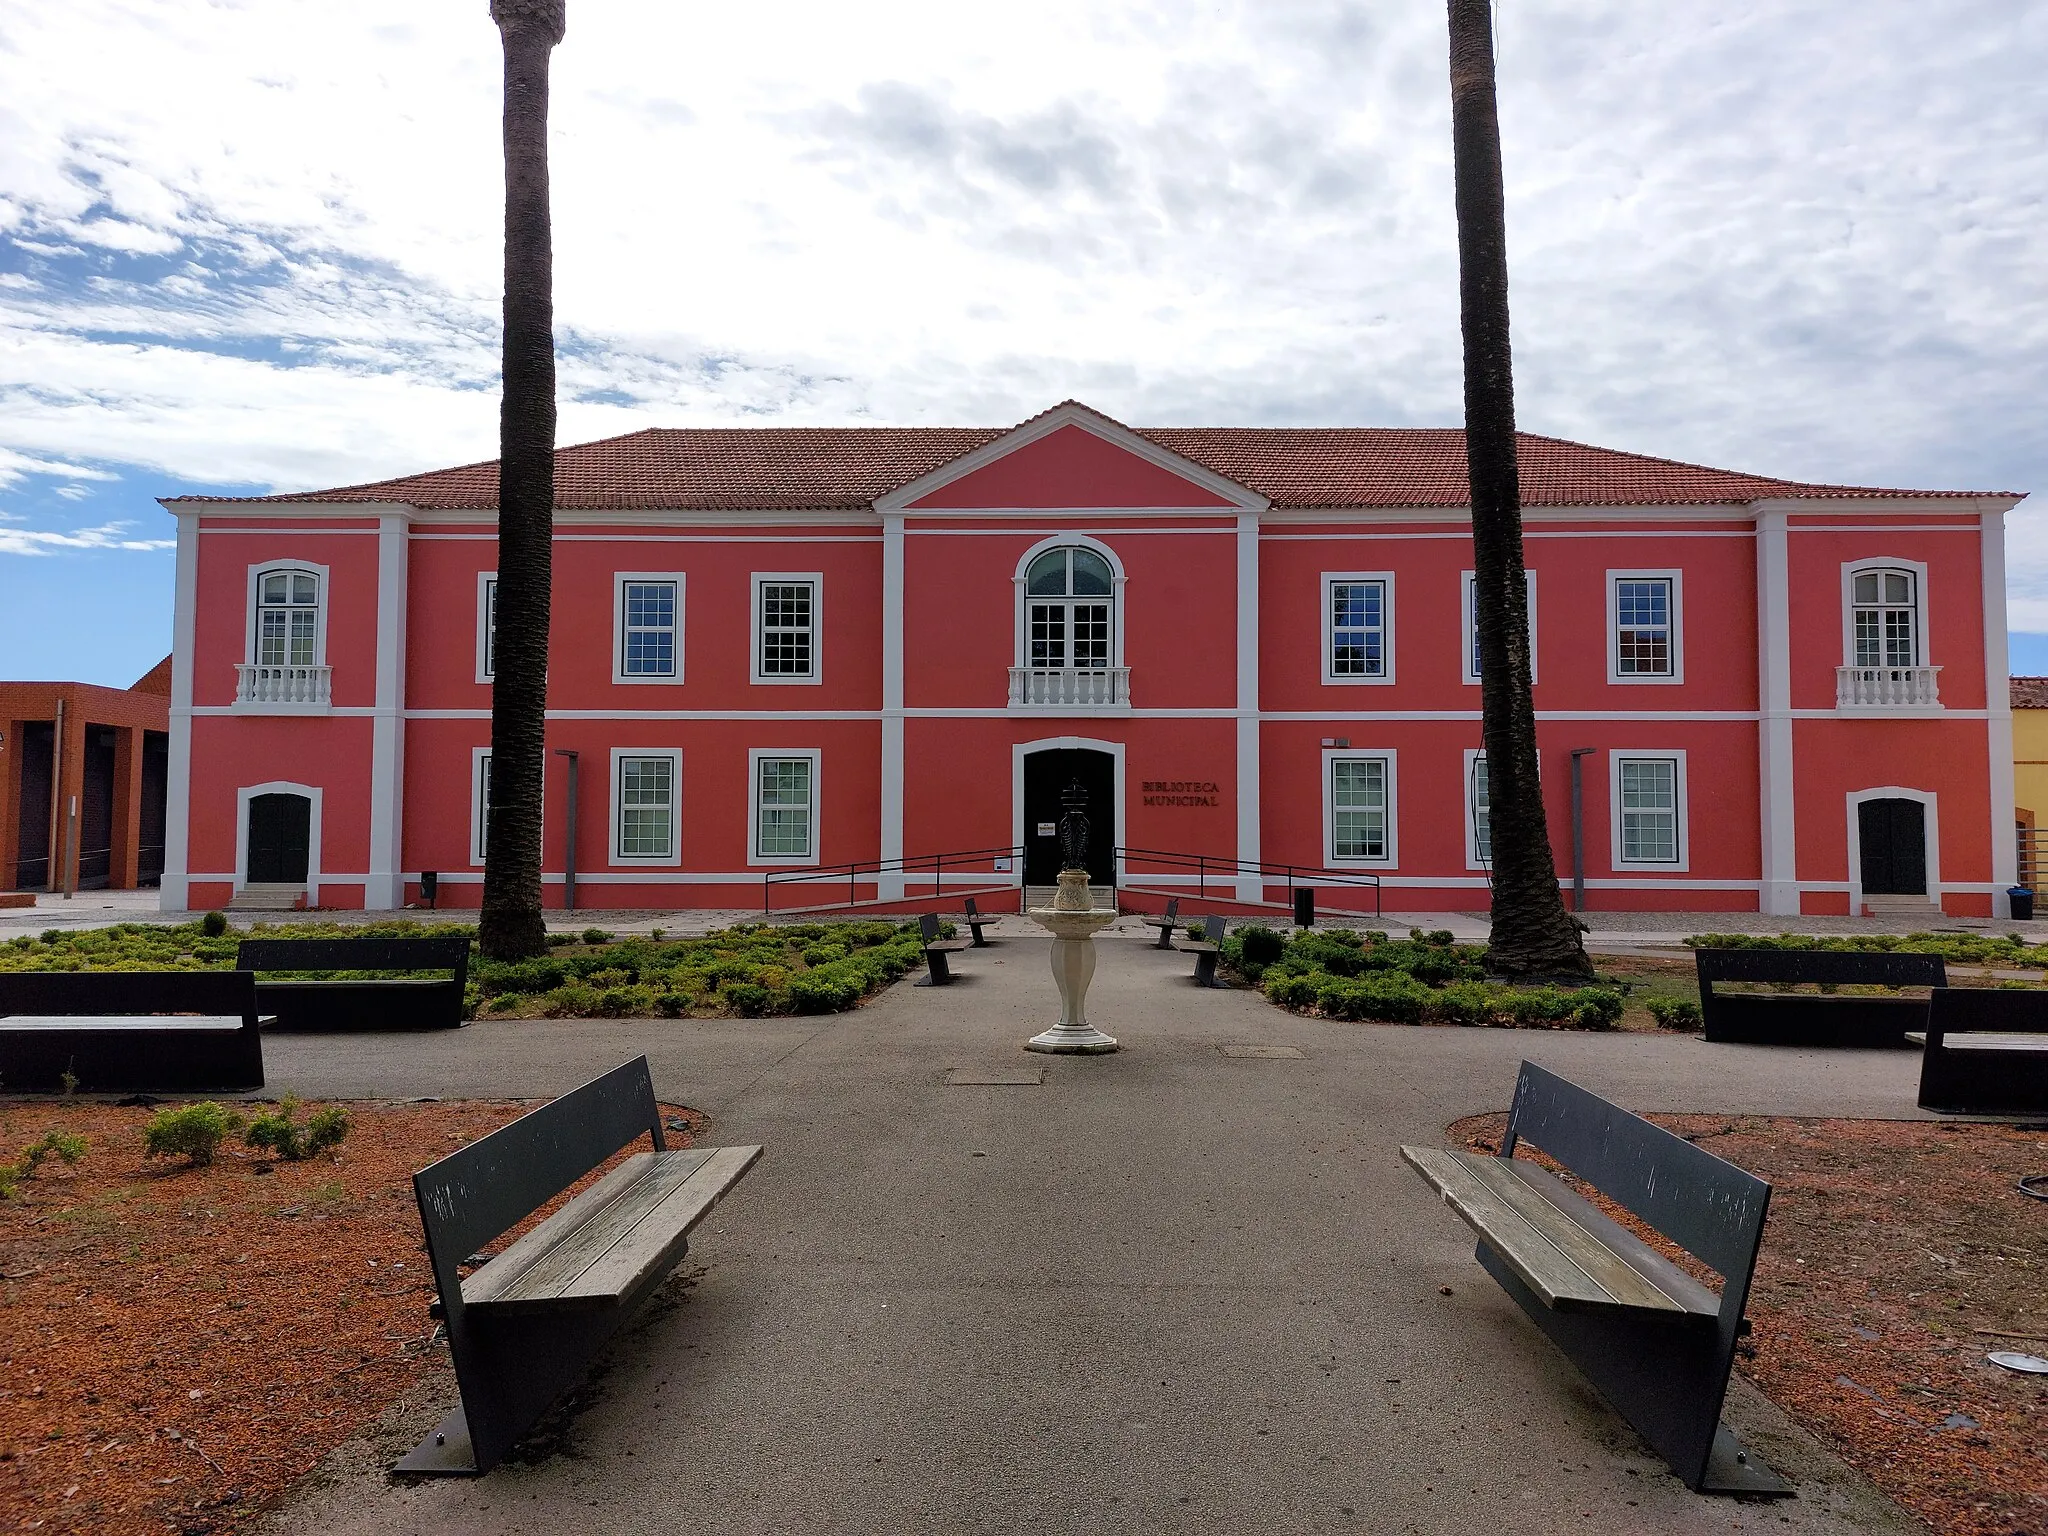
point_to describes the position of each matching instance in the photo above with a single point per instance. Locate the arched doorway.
(1047, 773)
(280, 839)
(1891, 838)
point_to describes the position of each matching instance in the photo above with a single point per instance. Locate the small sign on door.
(1048, 829)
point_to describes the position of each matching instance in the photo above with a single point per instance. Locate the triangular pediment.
(1071, 459)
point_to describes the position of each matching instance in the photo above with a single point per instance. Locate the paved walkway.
(1166, 1290)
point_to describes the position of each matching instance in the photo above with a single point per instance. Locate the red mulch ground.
(179, 1345)
(1897, 1255)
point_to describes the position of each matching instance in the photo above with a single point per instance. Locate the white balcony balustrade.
(1091, 687)
(1887, 688)
(259, 687)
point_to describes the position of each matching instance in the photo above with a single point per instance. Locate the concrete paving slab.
(1164, 1292)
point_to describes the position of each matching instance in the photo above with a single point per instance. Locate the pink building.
(781, 650)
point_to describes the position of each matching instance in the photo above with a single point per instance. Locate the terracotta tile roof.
(2029, 692)
(799, 468)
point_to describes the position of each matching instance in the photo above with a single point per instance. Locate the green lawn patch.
(1423, 979)
(750, 970)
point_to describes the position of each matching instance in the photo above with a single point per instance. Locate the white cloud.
(50, 541)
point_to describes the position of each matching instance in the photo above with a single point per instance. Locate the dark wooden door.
(1892, 837)
(280, 833)
(1046, 777)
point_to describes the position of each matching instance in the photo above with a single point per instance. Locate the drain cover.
(1264, 1052)
(2032, 1365)
(994, 1077)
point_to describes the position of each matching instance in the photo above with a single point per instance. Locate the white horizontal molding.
(1025, 530)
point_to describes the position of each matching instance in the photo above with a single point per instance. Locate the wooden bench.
(1205, 950)
(1780, 1018)
(1656, 1342)
(1986, 1052)
(938, 971)
(975, 919)
(1166, 922)
(525, 1326)
(361, 1003)
(130, 1031)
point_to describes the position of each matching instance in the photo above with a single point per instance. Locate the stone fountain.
(1073, 920)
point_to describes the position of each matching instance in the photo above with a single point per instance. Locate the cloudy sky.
(254, 243)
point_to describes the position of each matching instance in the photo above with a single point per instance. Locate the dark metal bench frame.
(1166, 922)
(1205, 950)
(1985, 1080)
(510, 1367)
(145, 1056)
(395, 1003)
(1799, 1019)
(1666, 1373)
(974, 921)
(938, 972)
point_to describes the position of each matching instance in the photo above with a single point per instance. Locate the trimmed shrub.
(1675, 1013)
(214, 924)
(279, 1133)
(596, 936)
(191, 1131)
(746, 999)
(1260, 945)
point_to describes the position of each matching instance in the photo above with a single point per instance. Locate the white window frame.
(268, 567)
(1468, 627)
(1677, 673)
(486, 626)
(1022, 639)
(1682, 810)
(1918, 570)
(1331, 756)
(816, 581)
(1472, 857)
(755, 757)
(1386, 673)
(620, 579)
(479, 767)
(674, 855)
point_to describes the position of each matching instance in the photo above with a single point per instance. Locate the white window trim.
(485, 581)
(755, 755)
(619, 673)
(1022, 639)
(1616, 862)
(1472, 859)
(1677, 673)
(674, 855)
(769, 578)
(1330, 859)
(1468, 621)
(1851, 570)
(1330, 579)
(478, 756)
(256, 575)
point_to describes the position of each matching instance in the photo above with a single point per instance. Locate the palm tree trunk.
(1533, 935)
(510, 925)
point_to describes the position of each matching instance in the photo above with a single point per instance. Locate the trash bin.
(2022, 901)
(1304, 907)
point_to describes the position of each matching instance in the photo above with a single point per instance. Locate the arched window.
(1070, 597)
(1886, 618)
(287, 619)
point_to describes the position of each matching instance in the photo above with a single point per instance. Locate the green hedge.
(749, 970)
(1423, 979)
(2003, 950)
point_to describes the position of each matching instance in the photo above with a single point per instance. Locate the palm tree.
(1533, 936)
(510, 925)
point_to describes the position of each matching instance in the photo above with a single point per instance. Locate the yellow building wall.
(2030, 764)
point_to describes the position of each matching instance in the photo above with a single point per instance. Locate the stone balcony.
(1070, 687)
(283, 688)
(1887, 688)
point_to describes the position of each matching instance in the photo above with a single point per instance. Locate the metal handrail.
(1294, 874)
(907, 865)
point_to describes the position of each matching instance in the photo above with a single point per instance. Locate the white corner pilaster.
(889, 886)
(1998, 713)
(1250, 887)
(385, 889)
(174, 893)
(1780, 857)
